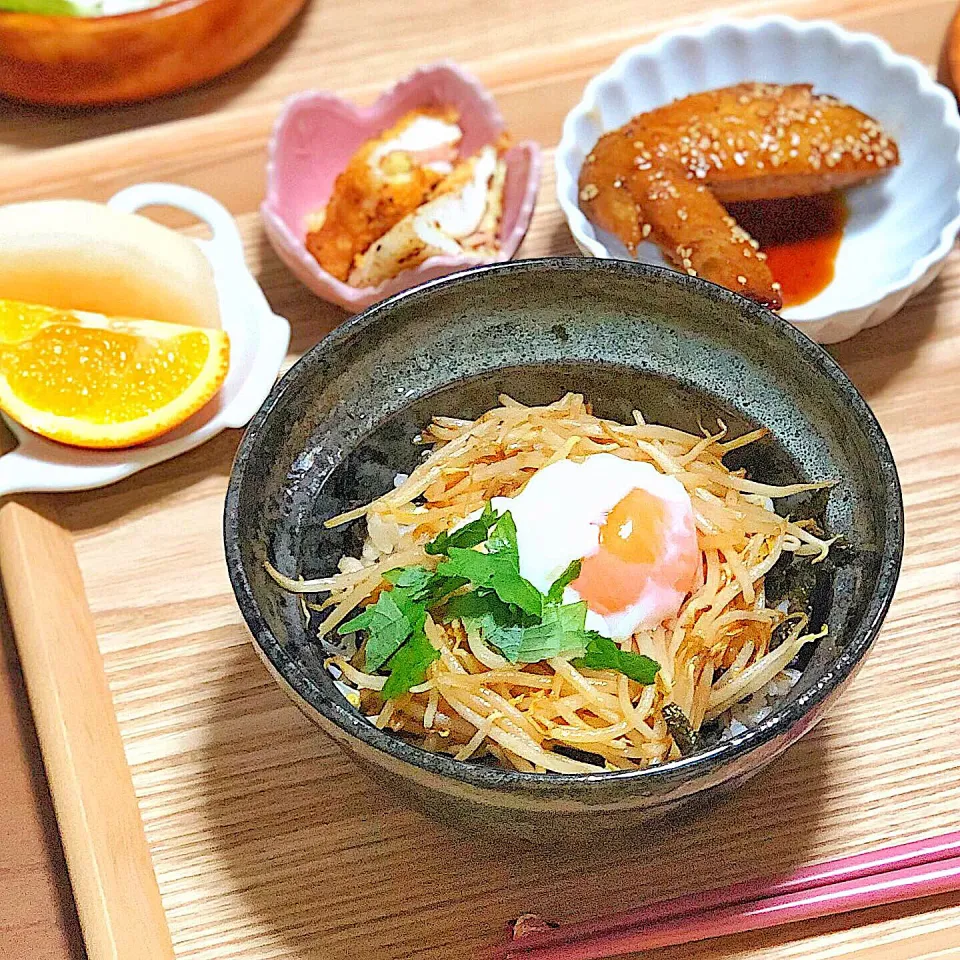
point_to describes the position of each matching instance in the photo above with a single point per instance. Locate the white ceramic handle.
(225, 237)
(19, 474)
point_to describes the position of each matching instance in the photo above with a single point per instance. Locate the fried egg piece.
(632, 527)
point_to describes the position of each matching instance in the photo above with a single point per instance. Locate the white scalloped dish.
(900, 226)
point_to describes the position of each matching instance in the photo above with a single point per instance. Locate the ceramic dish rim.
(725, 753)
(889, 58)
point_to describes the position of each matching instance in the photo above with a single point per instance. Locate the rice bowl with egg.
(557, 592)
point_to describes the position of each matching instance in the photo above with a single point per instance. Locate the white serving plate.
(900, 228)
(258, 344)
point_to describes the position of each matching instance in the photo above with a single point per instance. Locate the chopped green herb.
(496, 572)
(503, 538)
(423, 585)
(504, 608)
(560, 631)
(507, 638)
(408, 666)
(555, 594)
(603, 654)
(416, 577)
(471, 534)
(477, 603)
(387, 628)
(497, 569)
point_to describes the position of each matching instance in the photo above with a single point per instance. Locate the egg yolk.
(636, 547)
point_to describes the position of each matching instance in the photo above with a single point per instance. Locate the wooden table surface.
(356, 46)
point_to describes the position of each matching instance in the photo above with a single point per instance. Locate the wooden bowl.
(948, 71)
(133, 56)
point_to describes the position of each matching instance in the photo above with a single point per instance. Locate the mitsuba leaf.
(505, 637)
(603, 654)
(555, 593)
(496, 571)
(415, 578)
(408, 666)
(471, 534)
(421, 585)
(559, 631)
(387, 627)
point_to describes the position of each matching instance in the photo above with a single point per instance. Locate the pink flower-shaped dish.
(317, 133)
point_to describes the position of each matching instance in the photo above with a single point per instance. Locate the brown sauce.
(800, 236)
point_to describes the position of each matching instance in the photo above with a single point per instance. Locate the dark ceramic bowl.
(339, 425)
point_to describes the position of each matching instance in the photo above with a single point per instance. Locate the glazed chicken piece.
(384, 181)
(747, 142)
(761, 141)
(460, 217)
(699, 237)
(664, 205)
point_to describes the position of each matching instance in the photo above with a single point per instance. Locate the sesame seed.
(776, 286)
(589, 192)
(691, 272)
(682, 213)
(741, 279)
(645, 230)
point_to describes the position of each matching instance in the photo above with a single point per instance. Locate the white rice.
(754, 710)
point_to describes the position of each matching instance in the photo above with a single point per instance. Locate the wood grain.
(267, 843)
(293, 853)
(99, 820)
(37, 916)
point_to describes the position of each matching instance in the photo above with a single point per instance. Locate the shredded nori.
(683, 734)
(584, 756)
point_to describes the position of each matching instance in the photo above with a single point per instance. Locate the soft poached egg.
(631, 526)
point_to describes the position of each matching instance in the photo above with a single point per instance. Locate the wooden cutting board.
(264, 841)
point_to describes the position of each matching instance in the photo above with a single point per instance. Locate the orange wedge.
(95, 381)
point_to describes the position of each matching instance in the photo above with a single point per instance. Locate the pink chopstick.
(903, 872)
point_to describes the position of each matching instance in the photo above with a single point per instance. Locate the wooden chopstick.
(893, 874)
(111, 872)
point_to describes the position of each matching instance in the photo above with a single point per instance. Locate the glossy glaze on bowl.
(340, 424)
(901, 226)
